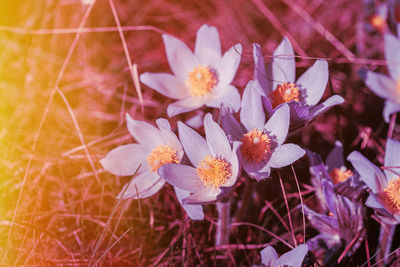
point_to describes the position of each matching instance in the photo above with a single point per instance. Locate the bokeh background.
(66, 84)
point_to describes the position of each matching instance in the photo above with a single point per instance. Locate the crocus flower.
(385, 186)
(262, 145)
(293, 258)
(387, 87)
(202, 78)
(215, 164)
(279, 85)
(155, 147)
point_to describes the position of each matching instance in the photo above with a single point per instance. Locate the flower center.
(161, 155)
(392, 195)
(378, 22)
(214, 171)
(340, 175)
(201, 81)
(256, 145)
(284, 93)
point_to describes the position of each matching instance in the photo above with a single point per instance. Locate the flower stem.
(385, 242)
(248, 192)
(223, 225)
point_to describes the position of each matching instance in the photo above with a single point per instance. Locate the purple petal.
(323, 223)
(180, 57)
(293, 258)
(229, 96)
(285, 155)
(269, 257)
(234, 161)
(392, 159)
(203, 196)
(392, 55)
(324, 106)
(278, 123)
(369, 173)
(228, 65)
(144, 133)
(314, 81)
(195, 212)
(182, 176)
(298, 111)
(260, 75)
(335, 157)
(252, 114)
(382, 85)
(124, 160)
(257, 170)
(230, 125)
(373, 202)
(195, 146)
(166, 84)
(143, 185)
(208, 47)
(389, 109)
(216, 138)
(283, 64)
(184, 105)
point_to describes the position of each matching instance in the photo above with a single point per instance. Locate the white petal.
(314, 81)
(166, 84)
(260, 75)
(182, 176)
(184, 105)
(390, 108)
(203, 196)
(392, 55)
(216, 138)
(283, 64)
(293, 258)
(143, 185)
(208, 47)
(195, 212)
(144, 133)
(278, 124)
(285, 155)
(392, 159)
(252, 114)
(229, 96)
(228, 65)
(269, 257)
(382, 85)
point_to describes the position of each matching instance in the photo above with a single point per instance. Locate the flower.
(216, 164)
(387, 87)
(385, 186)
(278, 84)
(293, 258)
(261, 142)
(202, 78)
(155, 148)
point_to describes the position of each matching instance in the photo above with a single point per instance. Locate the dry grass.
(63, 99)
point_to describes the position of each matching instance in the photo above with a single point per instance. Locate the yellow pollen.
(378, 22)
(340, 175)
(201, 81)
(214, 171)
(392, 195)
(161, 155)
(256, 145)
(284, 93)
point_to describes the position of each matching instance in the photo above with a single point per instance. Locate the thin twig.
(288, 210)
(302, 205)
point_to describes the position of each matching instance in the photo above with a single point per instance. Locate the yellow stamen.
(392, 195)
(201, 81)
(378, 22)
(284, 93)
(256, 145)
(340, 175)
(161, 155)
(214, 171)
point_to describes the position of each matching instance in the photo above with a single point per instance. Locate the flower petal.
(182, 176)
(228, 65)
(260, 75)
(257, 170)
(285, 155)
(143, 185)
(373, 202)
(230, 125)
(283, 64)
(216, 138)
(278, 123)
(204, 196)
(314, 81)
(166, 84)
(124, 160)
(169, 138)
(180, 57)
(269, 257)
(252, 114)
(195, 212)
(392, 159)
(184, 105)
(369, 173)
(294, 257)
(229, 96)
(208, 47)
(392, 55)
(195, 146)
(324, 106)
(382, 85)
(143, 132)
(335, 157)
(389, 109)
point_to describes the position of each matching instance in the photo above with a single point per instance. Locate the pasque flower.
(198, 79)
(387, 87)
(261, 145)
(385, 186)
(155, 147)
(215, 164)
(292, 258)
(278, 83)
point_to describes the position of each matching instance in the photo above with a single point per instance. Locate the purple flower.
(202, 78)
(387, 87)
(385, 186)
(278, 84)
(155, 147)
(261, 145)
(293, 258)
(216, 164)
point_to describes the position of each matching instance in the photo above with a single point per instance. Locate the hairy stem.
(223, 225)
(385, 242)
